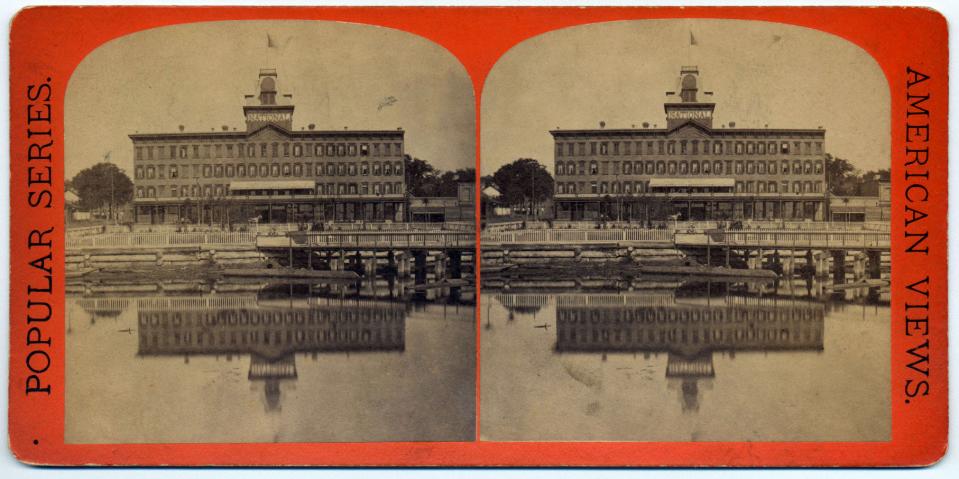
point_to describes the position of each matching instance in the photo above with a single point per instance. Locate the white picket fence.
(157, 240)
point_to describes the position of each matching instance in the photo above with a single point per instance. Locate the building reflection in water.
(271, 330)
(689, 330)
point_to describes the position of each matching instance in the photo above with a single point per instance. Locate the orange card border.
(47, 43)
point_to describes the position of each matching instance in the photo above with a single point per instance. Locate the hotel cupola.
(267, 107)
(688, 108)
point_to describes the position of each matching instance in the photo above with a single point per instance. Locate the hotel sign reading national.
(269, 117)
(689, 115)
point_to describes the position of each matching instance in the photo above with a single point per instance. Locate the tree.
(522, 181)
(447, 183)
(841, 176)
(102, 185)
(420, 176)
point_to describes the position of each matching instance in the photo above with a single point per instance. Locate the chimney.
(181, 128)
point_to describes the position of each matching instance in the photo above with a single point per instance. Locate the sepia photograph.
(270, 237)
(685, 236)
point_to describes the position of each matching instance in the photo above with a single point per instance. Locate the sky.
(340, 74)
(761, 74)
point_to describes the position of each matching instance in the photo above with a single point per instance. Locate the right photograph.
(685, 236)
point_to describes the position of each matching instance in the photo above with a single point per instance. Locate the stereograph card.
(464, 236)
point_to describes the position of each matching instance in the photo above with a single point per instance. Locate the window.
(695, 147)
(784, 148)
(772, 187)
(818, 167)
(761, 148)
(761, 187)
(660, 167)
(341, 150)
(694, 168)
(660, 147)
(351, 169)
(352, 149)
(174, 173)
(603, 148)
(627, 167)
(398, 147)
(570, 149)
(750, 148)
(593, 168)
(560, 188)
(317, 150)
(671, 148)
(387, 169)
(365, 188)
(274, 170)
(785, 167)
(387, 188)
(298, 169)
(581, 146)
(151, 192)
(183, 152)
(207, 171)
(139, 192)
(739, 167)
(761, 168)
(592, 148)
(750, 167)
(398, 168)
(718, 167)
(376, 189)
(739, 147)
(682, 147)
(297, 150)
(560, 169)
(218, 171)
(173, 152)
(818, 147)
(615, 147)
(365, 168)
(671, 168)
(797, 167)
(139, 153)
(784, 186)
(684, 167)
(138, 172)
(705, 167)
(241, 170)
(717, 148)
(287, 170)
(330, 150)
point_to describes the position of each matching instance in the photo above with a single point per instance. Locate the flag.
(269, 41)
(692, 39)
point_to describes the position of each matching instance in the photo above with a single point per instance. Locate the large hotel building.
(269, 171)
(703, 172)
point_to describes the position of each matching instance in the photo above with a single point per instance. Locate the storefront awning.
(272, 185)
(692, 182)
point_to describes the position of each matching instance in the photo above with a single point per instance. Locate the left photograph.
(270, 237)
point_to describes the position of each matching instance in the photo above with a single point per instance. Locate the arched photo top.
(617, 74)
(342, 76)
